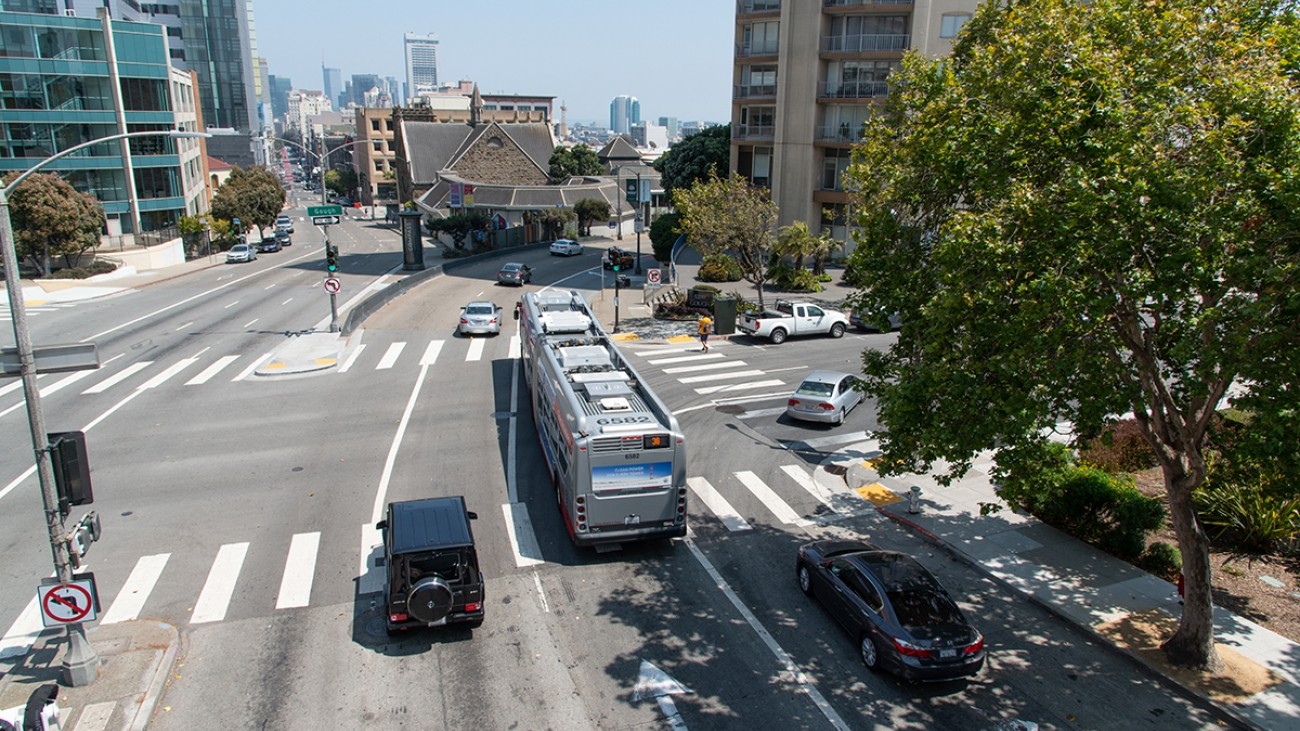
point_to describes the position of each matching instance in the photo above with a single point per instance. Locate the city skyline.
(584, 75)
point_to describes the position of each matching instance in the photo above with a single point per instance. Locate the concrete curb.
(158, 684)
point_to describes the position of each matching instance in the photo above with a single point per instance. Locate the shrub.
(674, 308)
(1120, 448)
(96, 267)
(1248, 517)
(718, 268)
(784, 276)
(1163, 560)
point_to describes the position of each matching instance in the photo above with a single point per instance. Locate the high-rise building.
(421, 63)
(624, 112)
(670, 123)
(805, 78)
(280, 87)
(373, 84)
(333, 80)
(395, 91)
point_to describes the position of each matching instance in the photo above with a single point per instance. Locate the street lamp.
(80, 663)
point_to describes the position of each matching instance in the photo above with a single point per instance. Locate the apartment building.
(806, 76)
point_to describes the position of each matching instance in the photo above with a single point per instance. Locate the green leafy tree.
(51, 218)
(589, 210)
(458, 226)
(567, 162)
(342, 181)
(1090, 209)
(695, 158)
(254, 196)
(730, 216)
(663, 234)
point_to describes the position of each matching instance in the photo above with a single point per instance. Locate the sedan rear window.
(478, 310)
(924, 607)
(814, 388)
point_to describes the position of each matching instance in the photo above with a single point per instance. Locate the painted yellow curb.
(871, 463)
(878, 494)
(274, 365)
(326, 361)
(34, 303)
(681, 338)
(624, 337)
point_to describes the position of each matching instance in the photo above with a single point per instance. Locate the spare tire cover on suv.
(430, 599)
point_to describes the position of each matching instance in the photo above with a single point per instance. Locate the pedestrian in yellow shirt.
(705, 327)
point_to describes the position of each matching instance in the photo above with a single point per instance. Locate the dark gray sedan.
(515, 273)
(894, 608)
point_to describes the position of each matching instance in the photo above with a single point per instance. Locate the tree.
(342, 181)
(588, 210)
(555, 220)
(797, 242)
(458, 226)
(1088, 210)
(254, 196)
(695, 158)
(51, 218)
(730, 216)
(664, 234)
(567, 162)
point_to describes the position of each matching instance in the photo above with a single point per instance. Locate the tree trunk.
(1193, 644)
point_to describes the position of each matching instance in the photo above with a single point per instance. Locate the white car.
(241, 252)
(483, 318)
(825, 396)
(284, 223)
(566, 247)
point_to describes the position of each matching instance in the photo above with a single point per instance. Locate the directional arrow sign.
(655, 683)
(324, 220)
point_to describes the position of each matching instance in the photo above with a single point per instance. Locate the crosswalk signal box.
(71, 469)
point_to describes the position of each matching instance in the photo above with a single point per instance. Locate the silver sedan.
(825, 396)
(483, 318)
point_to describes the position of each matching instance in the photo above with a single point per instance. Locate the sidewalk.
(37, 292)
(1075, 581)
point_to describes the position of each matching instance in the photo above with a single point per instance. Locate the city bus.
(616, 455)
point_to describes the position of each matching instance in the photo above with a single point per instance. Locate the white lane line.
(269, 286)
(118, 377)
(390, 356)
(833, 439)
(24, 631)
(475, 350)
(523, 540)
(541, 593)
(717, 504)
(828, 497)
(182, 327)
(135, 592)
(693, 348)
(756, 413)
(166, 375)
(17, 384)
(431, 352)
(59, 385)
(299, 568)
(771, 500)
(352, 358)
(250, 322)
(781, 655)
(252, 367)
(720, 376)
(95, 716)
(706, 367)
(370, 578)
(737, 387)
(212, 370)
(377, 512)
(232, 304)
(686, 358)
(286, 302)
(220, 586)
(516, 347)
(714, 403)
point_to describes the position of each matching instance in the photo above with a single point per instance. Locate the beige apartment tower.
(806, 75)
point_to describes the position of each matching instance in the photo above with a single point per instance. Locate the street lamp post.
(80, 662)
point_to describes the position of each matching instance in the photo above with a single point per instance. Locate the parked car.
(283, 222)
(613, 254)
(345, 201)
(241, 252)
(793, 318)
(269, 246)
(515, 273)
(432, 575)
(865, 321)
(894, 608)
(566, 247)
(479, 317)
(284, 238)
(825, 396)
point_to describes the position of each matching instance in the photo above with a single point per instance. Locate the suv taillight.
(398, 617)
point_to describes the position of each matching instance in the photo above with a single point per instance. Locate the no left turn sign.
(333, 285)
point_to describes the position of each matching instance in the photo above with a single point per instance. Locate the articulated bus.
(616, 454)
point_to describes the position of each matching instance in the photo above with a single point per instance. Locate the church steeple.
(475, 108)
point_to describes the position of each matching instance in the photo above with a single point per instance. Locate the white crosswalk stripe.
(118, 377)
(770, 500)
(352, 358)
(717, 504)
(299, 569)
(390, 356)
(705, 367)
(135, 592)
(706, 390)
(212, 370)
(720, 376)
(430, 356)
(220, 586)
(475, 349)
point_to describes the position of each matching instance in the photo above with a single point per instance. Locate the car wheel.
(778, 336)
(805, 580)
(837, 330)
(839, 418)
(867, 648)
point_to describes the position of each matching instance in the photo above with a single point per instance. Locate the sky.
(674, 56)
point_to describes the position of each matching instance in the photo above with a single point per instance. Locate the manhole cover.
(731, 409)
(837, 469)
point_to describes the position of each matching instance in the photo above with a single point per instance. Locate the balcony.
(753, 131)
(855, 3)
(762, 49)
(749, 7)
(898, 42)
(853, 90)
(839, 133)
(750, 91)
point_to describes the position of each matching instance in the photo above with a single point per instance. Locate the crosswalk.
(710, 374)
(209, 368)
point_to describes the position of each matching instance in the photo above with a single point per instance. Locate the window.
(952, 24)
(374, 125)
(759, 80)
(865, 590)
(761, 38)
(833, 166)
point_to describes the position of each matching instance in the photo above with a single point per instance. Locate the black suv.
(432, 576)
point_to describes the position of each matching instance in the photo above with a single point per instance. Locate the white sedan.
(826, 396)
(566, 247)
(483, 318)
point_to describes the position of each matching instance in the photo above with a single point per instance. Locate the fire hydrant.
(914, 500)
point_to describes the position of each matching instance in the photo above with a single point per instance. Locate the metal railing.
(749, 91)
(866, 42)
(853, 89)
(849, 3)
(839, 132)
(753, 131)
(758, 6)
(763, 49)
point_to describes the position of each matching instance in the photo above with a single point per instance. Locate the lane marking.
(737, 387)
(250, 323)
(516, 347)
(24, 631)
(706, 367)
(756, 413)
(431, 352)
(232, 304)
(720, 376)
(299, 569)
(687, 358)
(377, 512)
(252, 367)
(220, 586)
(475, 350)
(541, 593)
(352, 358)
(390, 356)
(135, 592)
(771, 500)
(819, 442)
(370, 578)
(118, 377)
(713, 403)
(166, 375)
(212, 370)
(717, 504)
(523, 540)
(182, 327)
(18, 383)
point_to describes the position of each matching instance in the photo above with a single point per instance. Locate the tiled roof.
(619, 148)
(430, 146)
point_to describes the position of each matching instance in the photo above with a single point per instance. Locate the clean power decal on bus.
(615, 477)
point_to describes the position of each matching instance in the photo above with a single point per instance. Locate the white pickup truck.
(793, 318)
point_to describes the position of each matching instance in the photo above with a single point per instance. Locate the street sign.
(653, 276)
(68, 602)
(52, 359)
(324, 211)
(613, 223)
(333, 285)
(324, 220)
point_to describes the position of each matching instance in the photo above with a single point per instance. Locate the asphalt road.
(222, 487)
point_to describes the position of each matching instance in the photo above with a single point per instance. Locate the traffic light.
(85, 532)
(331, 257)
(71, 469)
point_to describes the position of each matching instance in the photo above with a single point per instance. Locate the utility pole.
(640, 222)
